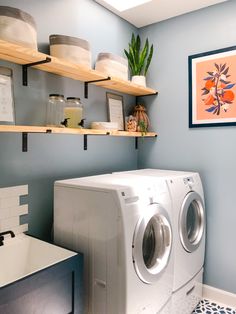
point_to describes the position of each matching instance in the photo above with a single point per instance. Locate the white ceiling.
(159, 10)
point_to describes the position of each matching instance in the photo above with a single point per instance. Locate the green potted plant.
(139, 59)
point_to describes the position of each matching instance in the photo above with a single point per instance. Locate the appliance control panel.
(188, 181)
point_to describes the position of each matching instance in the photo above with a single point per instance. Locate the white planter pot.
(139, 79)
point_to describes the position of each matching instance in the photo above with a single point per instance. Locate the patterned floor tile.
(208, 307)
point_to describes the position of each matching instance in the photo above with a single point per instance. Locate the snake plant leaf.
(133, 40)
(126, 53)
(128, 56)
(133, 60)
(131, 54)
(148, 60)
(143, 56)
(144, 52)
(138, 44)
(138, 58)
(147, 44)
(130, 60)
(137, 49)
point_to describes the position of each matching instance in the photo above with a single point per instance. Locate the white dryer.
(188, 235)
(125, 234)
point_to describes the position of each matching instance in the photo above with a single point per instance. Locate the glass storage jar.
(73, 112)
(55, 110)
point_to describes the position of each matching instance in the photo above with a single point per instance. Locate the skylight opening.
(123, 5)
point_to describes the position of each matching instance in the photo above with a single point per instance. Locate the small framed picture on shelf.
(116, 109)
(7, 112)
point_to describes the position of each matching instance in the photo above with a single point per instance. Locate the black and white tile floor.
(208, 307)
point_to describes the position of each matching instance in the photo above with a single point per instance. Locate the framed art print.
(7, 112)
(116, 109)
(212, 88)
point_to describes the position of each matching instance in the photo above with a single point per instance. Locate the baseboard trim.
(219, 296)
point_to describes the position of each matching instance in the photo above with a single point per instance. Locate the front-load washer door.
(191, 221)
(152, 243)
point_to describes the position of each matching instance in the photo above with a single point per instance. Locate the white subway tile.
(11, 210)
(8, 202)
(5, 213)
(14, 191)
(9, 223)
(20, 229)
(18, 210)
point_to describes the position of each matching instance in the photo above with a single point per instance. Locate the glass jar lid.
(56, 95)
(73, 98)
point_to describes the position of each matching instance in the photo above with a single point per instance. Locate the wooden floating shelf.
(126, 87)
(48, 129)
(54, 130)
(23, 55)
(133, 134)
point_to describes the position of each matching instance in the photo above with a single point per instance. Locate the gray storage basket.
(112, 65)
(18, 27)
(73, 49)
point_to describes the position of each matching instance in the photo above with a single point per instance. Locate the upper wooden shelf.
(54, 130)
(126, 87)
(22, 55)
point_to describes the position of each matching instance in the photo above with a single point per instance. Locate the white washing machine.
(125, 233)
(188, 235)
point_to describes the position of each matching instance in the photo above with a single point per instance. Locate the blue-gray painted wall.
(53, 156)
(210, 151)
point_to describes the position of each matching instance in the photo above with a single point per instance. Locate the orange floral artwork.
(212, 88)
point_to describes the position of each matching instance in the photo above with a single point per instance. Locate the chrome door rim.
(195, 199)
(151, 275)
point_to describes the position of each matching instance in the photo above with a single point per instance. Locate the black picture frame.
(115, 107)
(212, 103)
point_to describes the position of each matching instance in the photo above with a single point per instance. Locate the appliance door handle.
(101, 283)
(167, 235)
(190, 290)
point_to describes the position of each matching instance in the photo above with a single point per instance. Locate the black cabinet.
(57, 289)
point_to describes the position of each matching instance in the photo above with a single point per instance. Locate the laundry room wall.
(210, 151)
(51, 157)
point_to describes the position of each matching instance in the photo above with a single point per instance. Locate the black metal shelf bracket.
(137, 97)
(94, 81)
(85, 141)
(26, 66)
(24, 142)
(136, 139)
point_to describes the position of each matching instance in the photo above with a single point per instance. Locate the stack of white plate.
(104, 125)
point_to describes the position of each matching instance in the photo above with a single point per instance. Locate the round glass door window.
(152, 243)
(191, 221)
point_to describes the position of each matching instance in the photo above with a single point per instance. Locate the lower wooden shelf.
(132, 134)
(85, 132)
(55, 130)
